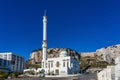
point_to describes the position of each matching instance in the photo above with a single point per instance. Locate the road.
(81, 77)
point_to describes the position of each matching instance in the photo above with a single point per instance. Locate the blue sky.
(82, 25)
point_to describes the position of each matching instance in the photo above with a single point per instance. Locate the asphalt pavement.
(81, 77)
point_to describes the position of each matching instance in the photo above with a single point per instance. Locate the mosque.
(62, 65)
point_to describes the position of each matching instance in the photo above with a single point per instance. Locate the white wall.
(117, 68)
(73, 66)
(106, 74)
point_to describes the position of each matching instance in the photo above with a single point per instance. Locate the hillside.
(36, 55)
(99, 59)
(107, 54)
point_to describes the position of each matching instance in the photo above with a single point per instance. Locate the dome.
(63, 53)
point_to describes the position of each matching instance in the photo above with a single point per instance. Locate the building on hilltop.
(12, 61)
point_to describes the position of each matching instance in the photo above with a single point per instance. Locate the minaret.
(44, 46)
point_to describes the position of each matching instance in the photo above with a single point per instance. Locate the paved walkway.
(81, 77)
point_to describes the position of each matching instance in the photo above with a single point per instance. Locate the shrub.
(31, 72)
(1, 72)
(3, 75)
(17, 73)
(13, 75)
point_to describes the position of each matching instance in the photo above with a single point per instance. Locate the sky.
(82, 25)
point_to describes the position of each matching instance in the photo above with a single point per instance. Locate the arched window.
(63, 63)
(57, 64)
(67, 63)
(51, 64)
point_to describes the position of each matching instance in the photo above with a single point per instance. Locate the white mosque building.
(62, 65)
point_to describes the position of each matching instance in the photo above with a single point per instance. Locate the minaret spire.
(44, 45)
(45, 12)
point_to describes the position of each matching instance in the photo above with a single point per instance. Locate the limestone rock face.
(36, 55)
(86, 54)
(108, 53)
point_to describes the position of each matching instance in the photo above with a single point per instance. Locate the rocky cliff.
(86, 54)
(36, 55)
(98, 59)
(107, 54)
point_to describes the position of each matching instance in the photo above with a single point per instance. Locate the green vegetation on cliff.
(92, 62)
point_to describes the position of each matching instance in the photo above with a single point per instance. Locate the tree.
(36, 66)
(28, 64)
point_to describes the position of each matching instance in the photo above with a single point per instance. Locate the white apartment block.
(12, 61)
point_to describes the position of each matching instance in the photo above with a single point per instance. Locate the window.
(51, 64)
(48, 64)
(13, 57)
(9, 56)
(57, 71)
(43, 64)
(5, 56)
(8, 62)
(71, 65)
(1, 56)
(63, 63)
(4, 62)
(57, 64)
(13, 68)
(67, 63)
(0, 62)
